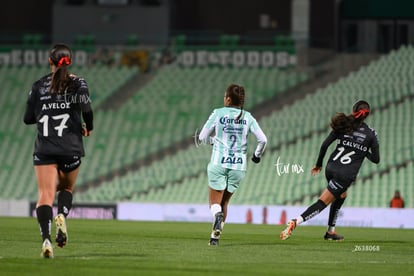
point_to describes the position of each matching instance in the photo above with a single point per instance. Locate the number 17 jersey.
(58, 116)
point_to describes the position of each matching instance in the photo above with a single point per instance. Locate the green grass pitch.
(103, 247)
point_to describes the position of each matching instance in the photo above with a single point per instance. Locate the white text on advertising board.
(264, 59)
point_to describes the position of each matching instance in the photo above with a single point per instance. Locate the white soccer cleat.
(47, 249)
(61, 231)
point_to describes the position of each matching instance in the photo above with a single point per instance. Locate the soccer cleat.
(47, 250)
(61, 231)
(217, 224)
(213, 242)
(333, 237)
(285, 234)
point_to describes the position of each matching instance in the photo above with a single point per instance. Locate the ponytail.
(342, 123)
(61, 57)
(237, 96)
(60, 80)
(241, 98)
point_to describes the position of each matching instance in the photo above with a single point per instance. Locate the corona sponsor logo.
(226, 120)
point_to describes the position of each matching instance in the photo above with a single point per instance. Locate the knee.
(64, 185)
(46, 197)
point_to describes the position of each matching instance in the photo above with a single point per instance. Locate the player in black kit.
(355, 141)
(57, 103)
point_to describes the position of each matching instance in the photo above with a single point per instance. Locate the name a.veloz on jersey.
(62, 105)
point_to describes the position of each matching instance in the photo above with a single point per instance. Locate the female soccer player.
(56, 104)
(228, 163)
(356, 140)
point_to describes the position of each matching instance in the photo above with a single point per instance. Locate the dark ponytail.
(237, 95)
(61, 57)
(342, 123)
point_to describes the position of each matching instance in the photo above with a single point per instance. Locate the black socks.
(44, 215)
(64, 200)
(313, 210)
(333, 213)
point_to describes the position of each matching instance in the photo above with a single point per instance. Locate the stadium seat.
(182, 107)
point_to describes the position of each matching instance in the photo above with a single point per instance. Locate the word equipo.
(287, 168)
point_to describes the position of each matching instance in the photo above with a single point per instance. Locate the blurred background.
(157, 68)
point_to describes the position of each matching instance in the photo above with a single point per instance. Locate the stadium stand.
(120, 140)
(169, 109)
(391, 97)
(175, 102)
(17, 139)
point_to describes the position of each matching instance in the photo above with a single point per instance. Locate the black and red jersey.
(59, 116)
(350, 151)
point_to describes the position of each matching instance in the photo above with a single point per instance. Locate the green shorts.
(220, 178)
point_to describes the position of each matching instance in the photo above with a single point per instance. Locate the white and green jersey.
(230, 140)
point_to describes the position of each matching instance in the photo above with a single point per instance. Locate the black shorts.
(337, 183)
(66, 163)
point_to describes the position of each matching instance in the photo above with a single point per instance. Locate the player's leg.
(65, 190)
(325, 199)
(216, 210)
(217, 184)
(46, 176)
(68, 172)
(234, 179)
(333, 215)
(225, 203)
(224, 206)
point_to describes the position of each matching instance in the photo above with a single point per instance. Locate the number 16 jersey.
(351, 149)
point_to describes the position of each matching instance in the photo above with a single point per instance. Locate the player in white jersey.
(227, 167)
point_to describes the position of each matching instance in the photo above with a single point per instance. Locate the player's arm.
(29, 114)
(374, 154)
(86, 108)
(261, 142)
(207, 129)
(88, 126)
(322, 151)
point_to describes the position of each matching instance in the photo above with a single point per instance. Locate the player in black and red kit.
(355, 141)
(58, 103)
